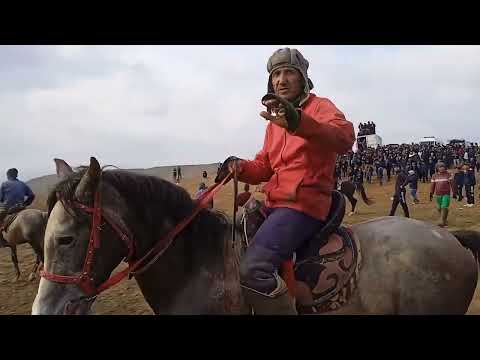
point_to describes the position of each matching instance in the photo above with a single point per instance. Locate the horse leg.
(15, 261)
(33, 274)
(3, 242)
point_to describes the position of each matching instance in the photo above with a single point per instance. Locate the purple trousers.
(281, 234)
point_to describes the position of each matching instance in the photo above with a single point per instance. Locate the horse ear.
(63, 169)
(89, 182)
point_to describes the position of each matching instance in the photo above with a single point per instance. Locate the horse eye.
(65, 240)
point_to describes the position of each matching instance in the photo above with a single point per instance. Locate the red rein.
(85, 279)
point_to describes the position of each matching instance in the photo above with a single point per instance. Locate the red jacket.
(442, 184)
(299, 166)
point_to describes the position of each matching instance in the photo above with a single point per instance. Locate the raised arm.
(327, 127)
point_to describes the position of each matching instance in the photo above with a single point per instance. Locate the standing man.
(424, 172)
(389, 168)
(14, 196)
(458, 180)
(179, 174)
(304, 135)
(399, 196)
(469, 182)
(175, 179)
(357, 177)
(202, 188)
(243, 197)
(442, 187)
(380, 173)
(412, 181)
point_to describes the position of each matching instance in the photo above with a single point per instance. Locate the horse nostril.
(65, 240)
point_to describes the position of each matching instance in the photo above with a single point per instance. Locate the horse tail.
(365, 199)
(469, 239)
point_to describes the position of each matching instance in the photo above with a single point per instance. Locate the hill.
(42, 185)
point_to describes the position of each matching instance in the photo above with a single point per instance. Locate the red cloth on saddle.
(299, 166)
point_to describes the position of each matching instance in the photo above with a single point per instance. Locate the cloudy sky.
(145, 106)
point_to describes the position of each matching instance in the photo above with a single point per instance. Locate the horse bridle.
(85, 279)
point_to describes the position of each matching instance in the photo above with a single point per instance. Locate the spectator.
(412, 181)
(202, 189)
(442, 187)
(469, 183)
(243, 197)
(399, 196)
(458, 180)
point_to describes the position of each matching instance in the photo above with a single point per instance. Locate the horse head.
(72, 257)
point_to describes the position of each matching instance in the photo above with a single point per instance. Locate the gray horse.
(408, 266)
(28, 227)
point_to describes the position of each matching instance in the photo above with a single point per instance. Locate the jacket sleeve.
(258, 170)
(2, 195)
(432, 186)
(30, 195)
(327, 127)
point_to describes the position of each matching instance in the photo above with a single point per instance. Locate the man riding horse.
(15, 195)
(304, 135)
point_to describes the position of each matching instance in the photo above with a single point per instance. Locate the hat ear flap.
(310, 84)
(270, 85)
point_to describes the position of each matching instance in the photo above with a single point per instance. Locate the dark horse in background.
(408, 266)
(348, 189)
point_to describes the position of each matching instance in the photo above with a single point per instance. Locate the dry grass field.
(125, 298)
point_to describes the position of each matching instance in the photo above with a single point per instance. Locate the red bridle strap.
(164, 243)
(85, 280)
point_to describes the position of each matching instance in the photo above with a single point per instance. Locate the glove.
(431, 197)
(285, 116)
(227, 166)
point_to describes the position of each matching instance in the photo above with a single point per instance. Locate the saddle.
(325, 267)
(12, 214)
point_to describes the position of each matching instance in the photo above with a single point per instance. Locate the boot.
(265, 305)
(444, 218)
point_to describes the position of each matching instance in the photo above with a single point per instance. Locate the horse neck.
(187, 280)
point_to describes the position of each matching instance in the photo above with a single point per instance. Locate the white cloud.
(142, 106)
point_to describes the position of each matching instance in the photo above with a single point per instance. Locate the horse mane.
(151, 200)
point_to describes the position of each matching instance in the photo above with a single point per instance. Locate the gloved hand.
(280, 112)
(228, 166)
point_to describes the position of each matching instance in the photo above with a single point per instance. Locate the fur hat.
(287, 57)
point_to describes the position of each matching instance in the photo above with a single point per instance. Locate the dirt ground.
(125, 298)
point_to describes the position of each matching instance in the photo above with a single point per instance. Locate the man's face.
(287, 83)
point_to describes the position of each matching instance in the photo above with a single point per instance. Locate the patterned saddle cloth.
(326, 268)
